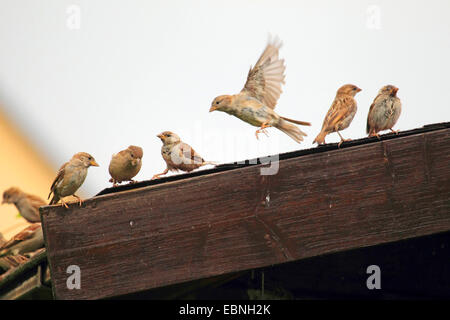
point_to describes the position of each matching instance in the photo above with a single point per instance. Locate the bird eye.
(169, 135)
(90, 158)
(217, 102)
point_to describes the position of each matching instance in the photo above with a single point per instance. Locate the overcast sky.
(99, 75)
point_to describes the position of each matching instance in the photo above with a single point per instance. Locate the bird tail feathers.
(292, 131)
(209, 162)
(54, 200)
(302, 123)
(320, 139)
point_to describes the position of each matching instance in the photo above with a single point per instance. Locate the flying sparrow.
(125, 165)
(28, 240)
(384, 111)
(178, 155)
(256, 102)
(70, 177)
(27, 204)
(340, 114)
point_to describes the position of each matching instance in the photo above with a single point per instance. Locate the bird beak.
(94, 163)
(358, 89)
(159, 136)
(212, 108)
(394, 91)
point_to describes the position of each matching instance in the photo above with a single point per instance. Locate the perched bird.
(178, 155)
(125, 165)
(2, 239)
(384, 111)
(70, 177)
(10, 263)
(340, 114)
(28, 240)
(256, 102)
(27, 204)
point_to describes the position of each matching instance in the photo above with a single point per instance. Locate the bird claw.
(395, 131)
(263, 130)
(375, 135)
(342, 141)
(80, 201)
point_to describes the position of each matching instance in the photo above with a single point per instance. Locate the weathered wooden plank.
(236, 220)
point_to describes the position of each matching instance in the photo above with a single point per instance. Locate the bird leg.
(262, 129)
(394, 131)
(114, 182)
(156, 176)
(79, 199)
(374, 134)
(64, 204)
(342, 139)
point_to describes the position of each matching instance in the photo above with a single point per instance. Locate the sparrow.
(384, 111)
(256, 102)
(178, 155)
(28, 240)
(70, 177)
(2, 239)
(11, 262)
(27, 204)
(340, 114)
(125, 165)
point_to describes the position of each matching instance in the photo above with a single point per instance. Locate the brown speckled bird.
(70, 177)
(384, 111)
(256, 102)
(125, 165)
(340, 114)
(178, 155)
(2, 239)
(28, 240)
(27, 204)
(11, 262)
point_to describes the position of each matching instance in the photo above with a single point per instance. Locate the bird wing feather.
(264, 80)
(58, 178)
(187, 152)
(36, 201)
(340, 109)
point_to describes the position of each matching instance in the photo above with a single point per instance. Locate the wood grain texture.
(237, 220)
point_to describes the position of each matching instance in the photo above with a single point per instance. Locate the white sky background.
(136, 68)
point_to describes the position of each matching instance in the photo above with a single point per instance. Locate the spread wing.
(187, 152)
(339, 110)
(265, 78)
(58, 178)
